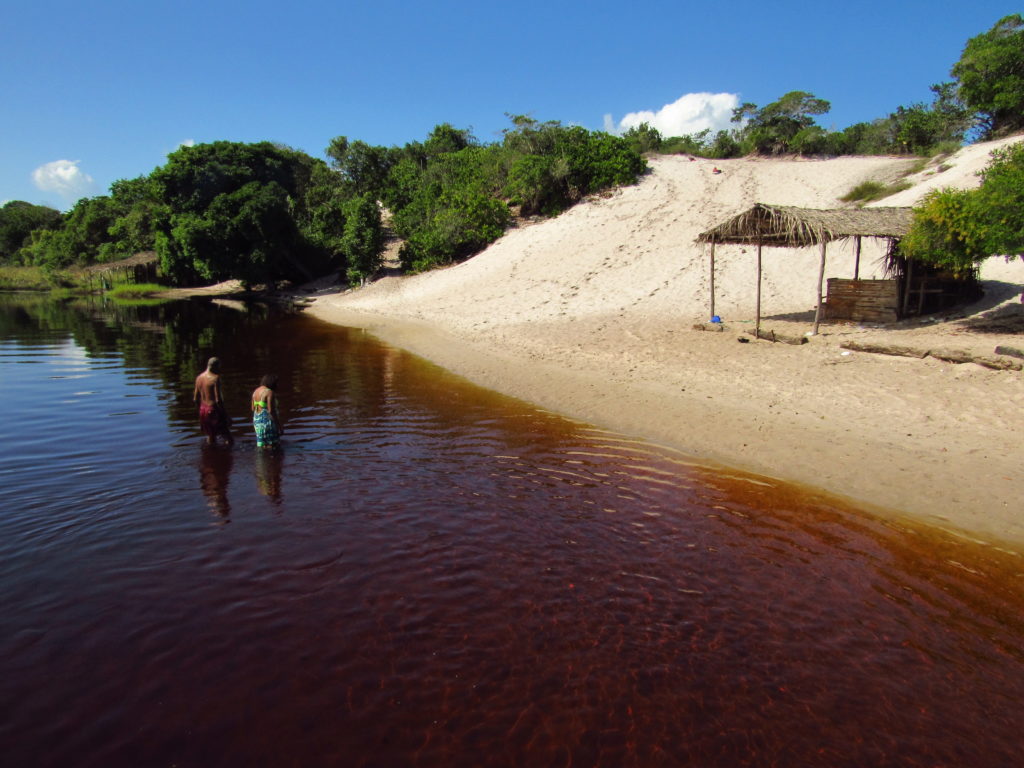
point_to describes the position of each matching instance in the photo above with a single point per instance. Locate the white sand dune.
(590, 314)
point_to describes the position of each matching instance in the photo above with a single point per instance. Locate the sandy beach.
(591, 315)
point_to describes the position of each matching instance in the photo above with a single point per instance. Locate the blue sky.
(95, 92)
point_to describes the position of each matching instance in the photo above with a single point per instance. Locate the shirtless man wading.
(213, 418)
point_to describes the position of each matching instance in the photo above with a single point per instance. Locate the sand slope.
(590, 314)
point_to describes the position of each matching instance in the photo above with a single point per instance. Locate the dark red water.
(433, 575)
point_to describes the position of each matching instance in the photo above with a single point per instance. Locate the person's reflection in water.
(214, 473)
(268, 472)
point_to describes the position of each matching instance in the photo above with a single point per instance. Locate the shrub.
(867, 191)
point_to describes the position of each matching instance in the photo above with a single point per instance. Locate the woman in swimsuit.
(264, 413)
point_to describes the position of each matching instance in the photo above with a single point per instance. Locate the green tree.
(17, 221)
(770, 129)
(82, 238)
(691, 144)
(724, 146)
(446, 138)
(450, 196)
(1000, 202)
(364, 167)
(643, 138)
(260, 213)
(990, 76)
(363, 239)
(139, 213)
(946, 231)
(529, 136)
(535, 183)
(920, 128)
(319, 213)
(246, 235)
(958, 229)
(460, 222)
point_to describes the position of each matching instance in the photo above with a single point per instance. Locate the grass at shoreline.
(18, 278)
(135, 290)
(27, 279)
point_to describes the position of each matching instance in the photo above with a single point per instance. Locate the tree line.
(984, 100)
(265, 213)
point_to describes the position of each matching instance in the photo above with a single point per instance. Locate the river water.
(430, 574)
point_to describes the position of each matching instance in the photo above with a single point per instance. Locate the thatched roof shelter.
(785, 226)
(791, 227)
(140, 268)
(144, 258)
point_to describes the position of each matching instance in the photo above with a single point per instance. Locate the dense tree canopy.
(451, 196)
(260, 213)
(772, 129)
(239, 211)
(990, 74)
(17, 221)
(82, 238)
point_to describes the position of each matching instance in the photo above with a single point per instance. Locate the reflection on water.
(215, 463)
(269, 463)
(431, 574)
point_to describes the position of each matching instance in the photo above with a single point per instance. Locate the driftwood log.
(998, 363)
(708, 327)
(773, 336)
(1011, 351)
(958, 356)
(952, 355)
(885, 349)
(963, 356)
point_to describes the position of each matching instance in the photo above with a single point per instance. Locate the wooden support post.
(821, 279)
(712, 280)
(856, 257)
(906, 287)
(757, 323)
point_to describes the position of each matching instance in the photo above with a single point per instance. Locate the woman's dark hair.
(269, 381)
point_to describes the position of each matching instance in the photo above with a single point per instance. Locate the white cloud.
(63, 177)
(188, 143)
(690, 113)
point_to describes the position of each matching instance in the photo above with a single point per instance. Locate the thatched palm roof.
(144, 257)
(789, 226)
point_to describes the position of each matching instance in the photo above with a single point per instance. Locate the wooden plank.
(862, 300)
